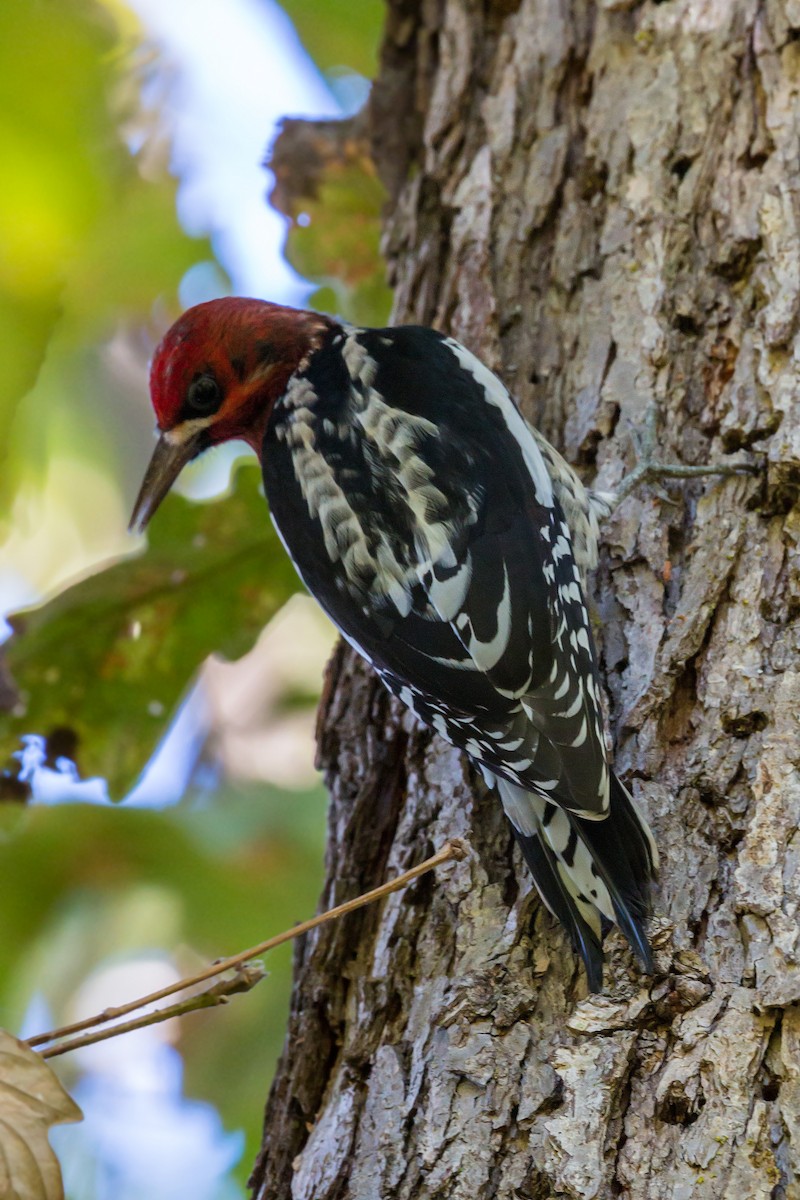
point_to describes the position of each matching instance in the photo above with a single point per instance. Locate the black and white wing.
(421, 512)
(439, 548)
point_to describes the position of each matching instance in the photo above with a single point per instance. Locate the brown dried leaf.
(31, 1100)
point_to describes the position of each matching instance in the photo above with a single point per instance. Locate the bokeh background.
(160, 806)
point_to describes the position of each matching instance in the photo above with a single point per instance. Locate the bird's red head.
(216, 376)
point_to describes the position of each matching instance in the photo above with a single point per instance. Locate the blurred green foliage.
(85, 239)
(120, 250)
(54, 184)
(338, 244)
(91, 258)
(338, 34)
(85, 886)
(111, 656)
(327, 184)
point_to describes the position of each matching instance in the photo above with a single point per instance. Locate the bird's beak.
(169, 459)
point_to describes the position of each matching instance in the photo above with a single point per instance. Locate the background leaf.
(327, 184)
(31, 1101)
(340, 35)
(52, 189)
(110, 656)
(86, 238)
(85, 885)
(93, 255)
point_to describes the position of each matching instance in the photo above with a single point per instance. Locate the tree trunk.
(602, 200)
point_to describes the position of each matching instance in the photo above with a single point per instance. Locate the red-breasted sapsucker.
(447, 540)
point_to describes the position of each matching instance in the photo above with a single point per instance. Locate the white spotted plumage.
(449, 542)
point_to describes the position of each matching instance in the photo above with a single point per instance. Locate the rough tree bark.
(602, 200)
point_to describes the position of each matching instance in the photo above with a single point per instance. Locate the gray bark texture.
(602, 200)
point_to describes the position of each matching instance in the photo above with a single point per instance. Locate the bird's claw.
(648, 471)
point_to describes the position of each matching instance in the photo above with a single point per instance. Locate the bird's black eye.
(204, 395)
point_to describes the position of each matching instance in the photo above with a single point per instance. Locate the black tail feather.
(543, 867)
(612, 873)
(625, 857)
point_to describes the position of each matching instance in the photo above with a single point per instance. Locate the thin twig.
(455, 849)
(219, 993)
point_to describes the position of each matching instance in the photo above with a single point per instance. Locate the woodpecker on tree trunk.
(448, 541)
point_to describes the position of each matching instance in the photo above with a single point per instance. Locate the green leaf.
(327, 184)
(111, 656)
(232, 891)
(339, 35)
(89, 234)
(85, 886)
(339, 247)
(53, 128)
